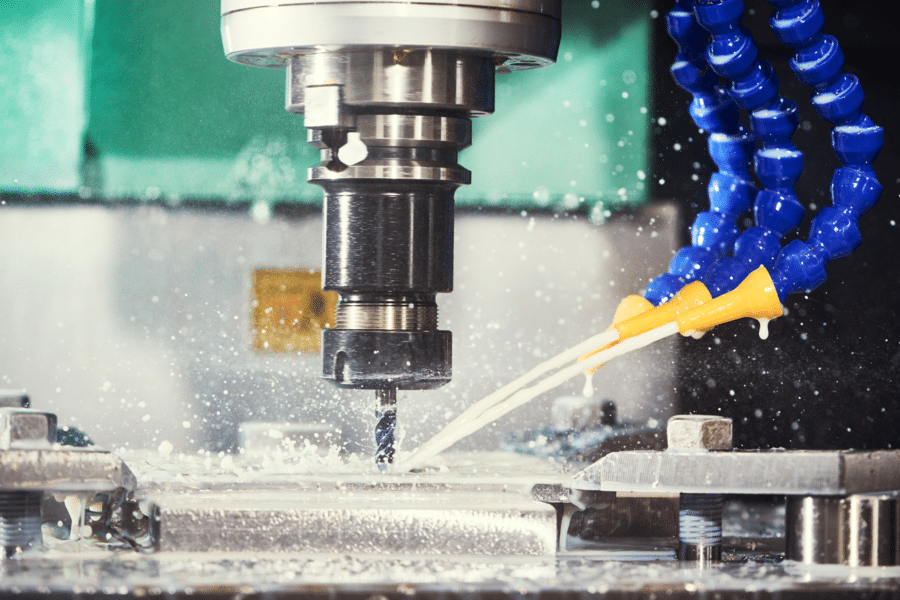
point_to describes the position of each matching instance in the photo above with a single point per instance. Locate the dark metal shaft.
(386, 413)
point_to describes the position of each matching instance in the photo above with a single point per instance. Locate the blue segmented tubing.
(730, 190)
(753, 85)
(856, 140)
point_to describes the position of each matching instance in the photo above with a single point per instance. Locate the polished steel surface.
(63, 469)
(396, 167)
(401, 130)
(388, 240)
(858, 530)
(799, 472)
(517, 34)
(403, 315)
(395, 80)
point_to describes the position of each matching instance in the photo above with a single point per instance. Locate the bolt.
(20, 520)
(25, 428)
(699, 432)
(699, 515)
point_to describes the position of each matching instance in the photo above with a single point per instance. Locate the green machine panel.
(135, 101)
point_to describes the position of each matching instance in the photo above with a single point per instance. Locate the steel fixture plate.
(801, 472)
(63, 470)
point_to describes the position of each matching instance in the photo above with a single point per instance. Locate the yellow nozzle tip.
(691, 296)
(631, 307)
(755, 297)
(628, 308)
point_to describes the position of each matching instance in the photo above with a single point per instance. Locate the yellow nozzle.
(691, 296)
(628, 308)
(755, 297)
(636, 315)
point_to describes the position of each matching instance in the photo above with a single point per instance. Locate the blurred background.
(147, 184)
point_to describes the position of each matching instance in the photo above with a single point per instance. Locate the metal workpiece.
(515, 34)
(26, 428)
(444, 523)
(476, 504)
(699, 432)
(63, 469)
(859, 530)
(788, 472)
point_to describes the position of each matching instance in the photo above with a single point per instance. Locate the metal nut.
(699, 432)
(24, 428)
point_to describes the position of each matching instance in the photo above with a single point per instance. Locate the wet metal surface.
(809, 472)
(386, 523)
(66, 469)
(176, 575)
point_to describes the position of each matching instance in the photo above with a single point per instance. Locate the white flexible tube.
(450, 435)
(475, 410)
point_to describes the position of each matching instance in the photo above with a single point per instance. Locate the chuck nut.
(24, 428)
(699, 432)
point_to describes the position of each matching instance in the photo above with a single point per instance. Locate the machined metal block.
(442, 523)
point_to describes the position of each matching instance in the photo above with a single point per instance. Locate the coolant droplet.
(764, 329)
(588, 390)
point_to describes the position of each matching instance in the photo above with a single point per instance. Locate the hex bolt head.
(25, 428)
(699, 432)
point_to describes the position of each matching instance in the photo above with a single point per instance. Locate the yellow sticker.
(290, 310)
